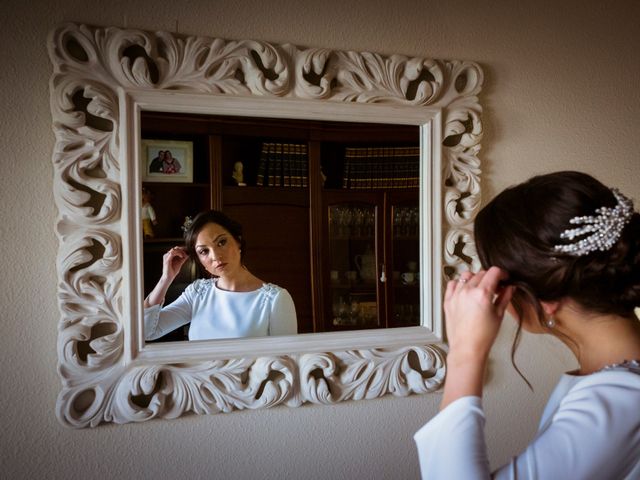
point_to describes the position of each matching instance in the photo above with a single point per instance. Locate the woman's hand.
(474, 307)
(172, 262)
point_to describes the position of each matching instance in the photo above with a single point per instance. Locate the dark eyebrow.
(214, 240)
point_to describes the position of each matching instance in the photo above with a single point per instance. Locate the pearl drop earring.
(551, 322)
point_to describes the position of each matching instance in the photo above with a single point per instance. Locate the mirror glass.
(330, 210)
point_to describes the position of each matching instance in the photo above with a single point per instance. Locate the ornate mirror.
(103, 80)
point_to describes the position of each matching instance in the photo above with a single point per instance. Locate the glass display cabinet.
(371, 273)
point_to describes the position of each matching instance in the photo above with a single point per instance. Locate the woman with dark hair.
(170, 164)
(561, 252)
(231, 302)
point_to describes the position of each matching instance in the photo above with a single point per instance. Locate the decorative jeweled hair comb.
(605, 228)
(188, 221)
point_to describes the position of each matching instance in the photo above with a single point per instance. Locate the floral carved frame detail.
(108, 374)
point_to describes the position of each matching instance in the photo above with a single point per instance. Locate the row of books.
(381, 167)
(283, 165)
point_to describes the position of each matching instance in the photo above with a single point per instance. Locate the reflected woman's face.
(218, 251)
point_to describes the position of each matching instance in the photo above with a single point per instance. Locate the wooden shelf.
(157, 240)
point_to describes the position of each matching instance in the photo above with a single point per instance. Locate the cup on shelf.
(335, 276)
(408, 278)
(351, 275)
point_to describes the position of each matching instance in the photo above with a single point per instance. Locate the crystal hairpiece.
(605, 228)
(187, 224)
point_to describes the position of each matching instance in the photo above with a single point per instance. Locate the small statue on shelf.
(237, 174)
(148, 215)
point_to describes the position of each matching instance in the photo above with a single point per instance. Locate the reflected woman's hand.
(172, 262)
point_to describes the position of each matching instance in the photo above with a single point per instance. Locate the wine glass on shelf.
(413, 215)
(339, 311)
(347, 221)
(397, 221)
(370, 222)
(354, 312)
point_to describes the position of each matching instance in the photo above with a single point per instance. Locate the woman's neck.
(240, 281)
(599, 340)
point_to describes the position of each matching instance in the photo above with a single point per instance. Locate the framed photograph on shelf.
(167, 161)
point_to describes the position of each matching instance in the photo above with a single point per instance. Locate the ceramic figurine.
(237, 175)
(148, 215)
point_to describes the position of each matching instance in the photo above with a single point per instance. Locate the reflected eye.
(202, 252)
(222, 242)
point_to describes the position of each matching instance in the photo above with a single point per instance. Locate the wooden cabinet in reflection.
(329, 211)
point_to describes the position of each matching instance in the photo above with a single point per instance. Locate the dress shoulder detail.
(202, 285)
(269, 292)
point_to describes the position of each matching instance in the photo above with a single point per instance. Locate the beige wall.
(561, 92)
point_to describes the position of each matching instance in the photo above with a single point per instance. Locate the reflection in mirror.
(230, 301)
(329, 211)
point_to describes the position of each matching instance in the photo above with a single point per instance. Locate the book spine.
(355, 170)
(367, 180)
(415, 167)
(305, 166)
(296, 175)
(277, 175)
(262, 165)
(272, 164)
(346, 170)
(374, 168)
(386, 168)
(395, 167)
(286, 164)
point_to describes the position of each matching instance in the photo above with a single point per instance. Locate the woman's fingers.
(176, 253)
(492, 278)
(179, 251)
(503, 300)
(488, 281)
(474, 308)
(453, 285)
(173, 261)
(465, 277)
(451, 288)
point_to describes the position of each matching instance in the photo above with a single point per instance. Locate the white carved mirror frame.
(103, 78)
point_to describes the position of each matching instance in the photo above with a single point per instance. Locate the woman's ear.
(550, 308)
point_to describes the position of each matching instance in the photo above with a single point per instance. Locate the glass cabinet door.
(404, 253)
(354, 265)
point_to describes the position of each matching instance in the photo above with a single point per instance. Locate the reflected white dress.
(217, 313)
(590, 429)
